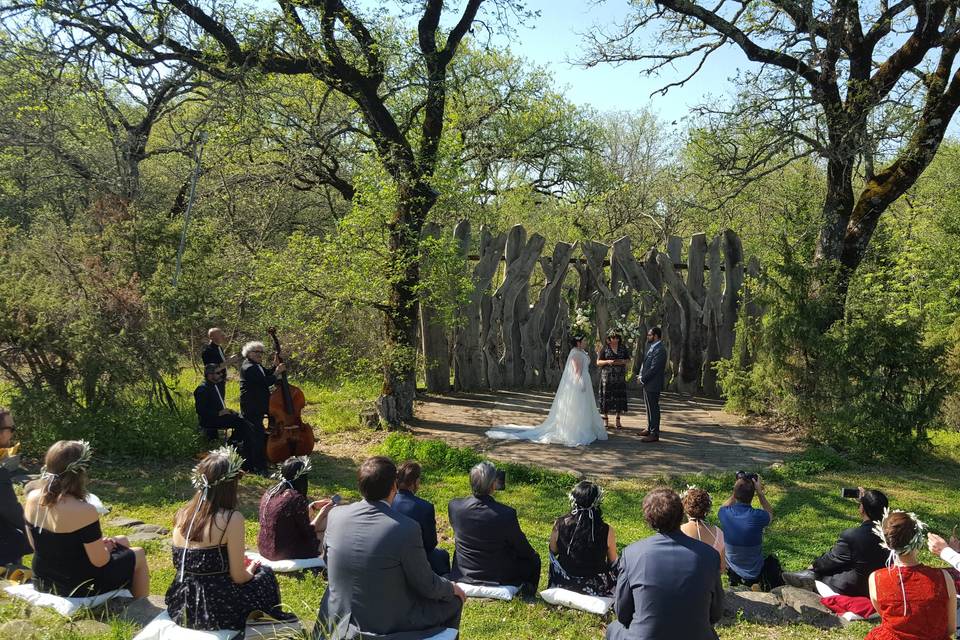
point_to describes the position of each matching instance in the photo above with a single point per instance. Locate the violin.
(288, 434)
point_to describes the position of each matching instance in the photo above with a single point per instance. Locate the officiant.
(13, 539)
(613, 358)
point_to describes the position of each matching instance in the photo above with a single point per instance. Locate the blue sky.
(554, 38)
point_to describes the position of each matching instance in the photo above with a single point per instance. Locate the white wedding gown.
(573, 419)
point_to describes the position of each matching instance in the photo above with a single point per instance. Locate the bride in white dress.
(574, 419)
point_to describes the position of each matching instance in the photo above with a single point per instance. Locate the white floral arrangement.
(582, 324)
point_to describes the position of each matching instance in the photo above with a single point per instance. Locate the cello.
(288, 435)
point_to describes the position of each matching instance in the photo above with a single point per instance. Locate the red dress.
(927, 603)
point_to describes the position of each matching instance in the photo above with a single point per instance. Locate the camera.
(743, 475)
(501, 479)
(849, 492)
(335, 498)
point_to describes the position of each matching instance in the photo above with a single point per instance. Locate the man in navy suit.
(490, 547)
(421, 511)
(652, 375)
(670, 584)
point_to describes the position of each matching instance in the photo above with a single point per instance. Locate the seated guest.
(490, 547)
(212, 589)
(696, 506)
(213, 414)
(914, 601)
(743, 536)
(583, 548)
(669, 586)
(291, 527)
(379, 578)
(71, 557)
(13, 532)
(409, 504)
(858, 552)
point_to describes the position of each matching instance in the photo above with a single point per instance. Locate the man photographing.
(743, 527)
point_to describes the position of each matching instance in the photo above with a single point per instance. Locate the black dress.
(583, 567)
(61, 565)
(613, 381)
(13, 536)
(208, 599)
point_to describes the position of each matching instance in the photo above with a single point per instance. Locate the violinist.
(255, 383)
(213, 414)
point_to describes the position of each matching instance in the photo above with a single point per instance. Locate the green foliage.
(135, 429)
(869, 385)
(437, 456)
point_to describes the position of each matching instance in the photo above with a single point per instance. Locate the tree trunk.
(395, 403)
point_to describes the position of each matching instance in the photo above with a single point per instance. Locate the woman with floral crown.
(212, 589)
(583, 547)
(914, 601)
(71, 557)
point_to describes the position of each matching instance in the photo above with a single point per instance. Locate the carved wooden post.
(690, 346)
(469, 368)
(711, 319)
(594, 253)
(521, 259)
(435, 346)
(537, 332)
(672, 323)
(733, 281)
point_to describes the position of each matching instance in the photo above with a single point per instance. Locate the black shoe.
(800, 579)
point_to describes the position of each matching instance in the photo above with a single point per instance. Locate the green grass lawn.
(805, 495)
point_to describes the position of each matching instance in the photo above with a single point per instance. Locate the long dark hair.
(289, 470)
(581, 528)
(220, 496)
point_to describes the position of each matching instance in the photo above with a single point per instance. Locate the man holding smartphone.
(743, 528)
(846, 568)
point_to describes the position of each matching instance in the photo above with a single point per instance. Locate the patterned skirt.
(601, 584)
(613, 390)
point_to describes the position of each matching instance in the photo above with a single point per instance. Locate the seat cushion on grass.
(574, 600)
(495, 592)
(97, 504)
(64, 606)
(163, 628)
(286, 566)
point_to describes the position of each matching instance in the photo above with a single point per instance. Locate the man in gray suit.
(652, 374)
(670, 584)
(380, 583)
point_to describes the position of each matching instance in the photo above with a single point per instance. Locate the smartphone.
(501, 479)
(335, 498)
(849, 492)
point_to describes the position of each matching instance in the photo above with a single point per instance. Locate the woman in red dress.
(915, 602)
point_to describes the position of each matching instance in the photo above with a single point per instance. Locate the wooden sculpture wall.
(506, 340)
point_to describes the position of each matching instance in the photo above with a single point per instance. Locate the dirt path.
(696, 435)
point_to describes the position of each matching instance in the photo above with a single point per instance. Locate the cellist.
(255, 383)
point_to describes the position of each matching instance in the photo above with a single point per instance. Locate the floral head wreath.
(917, 542)
(200, 482)
(234, 469)
(82, 463)
(305, 467)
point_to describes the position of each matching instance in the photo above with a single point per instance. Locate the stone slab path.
(696, 435)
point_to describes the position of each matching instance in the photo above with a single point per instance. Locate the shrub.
(139, 430)
(869, 385)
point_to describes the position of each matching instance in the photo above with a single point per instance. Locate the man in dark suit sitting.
(846, 568)
(670, 584)
(418, 509)
(380, 584)
(213, 415)
(490, 547)
(652, 375)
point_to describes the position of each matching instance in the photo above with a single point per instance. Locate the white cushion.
(286, 566)
(163, 628)
(64, 606)
(97, 504)
(495, 592)
(574, 600)
(446, 634)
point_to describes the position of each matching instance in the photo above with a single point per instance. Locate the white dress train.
(573, 419)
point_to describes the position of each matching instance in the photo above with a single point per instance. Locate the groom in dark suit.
(652, 375)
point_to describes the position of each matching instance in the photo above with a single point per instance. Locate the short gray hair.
(247, 348)
(482, 478)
